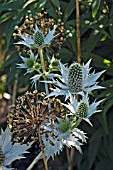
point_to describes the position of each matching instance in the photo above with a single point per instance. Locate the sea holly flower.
(59, 134)
(38, 40)
(10, 152)
(30, 64)
(76, 79)
(82, 109)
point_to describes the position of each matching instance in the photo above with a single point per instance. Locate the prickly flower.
(76, 79)
(82, 109)
(60, 134)
(38, 40)
(28, 63)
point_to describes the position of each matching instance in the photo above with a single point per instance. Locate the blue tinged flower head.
(60, 133)
(38, 40)
(28, 63)
(10, 152)
(76, 79)
(82, 109)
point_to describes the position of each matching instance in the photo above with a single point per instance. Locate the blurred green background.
(96, 20)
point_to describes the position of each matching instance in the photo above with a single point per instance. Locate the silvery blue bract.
(28, 63)
(54, 143)
(87, 81)
(73, 106)
(31, 43)
(11, 151)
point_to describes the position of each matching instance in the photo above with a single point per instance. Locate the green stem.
(43, 69)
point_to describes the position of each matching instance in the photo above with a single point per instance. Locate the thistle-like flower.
(38, 41)
(60, 133)
(76, 79)
(29, 64)
(30, 113)
(10, 152)
(83, 109)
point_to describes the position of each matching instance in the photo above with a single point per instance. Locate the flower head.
(60, 133)
(10, 152)
(76, 79)
(38, 40)
(28, 63)
(30, 112)
(83, 109)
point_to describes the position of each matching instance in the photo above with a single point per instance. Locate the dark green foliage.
(96, 43)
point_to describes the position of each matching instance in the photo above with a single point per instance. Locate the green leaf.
(56, 3)
(91, 42)
(95, 7)
(97, 134)
(93, 150)
(69, 9)
(15, 5)
(28, 3)
(104, 164)
(15, 22)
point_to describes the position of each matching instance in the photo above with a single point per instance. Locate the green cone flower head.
(39, 38)
(82, 110)
(2, 157)
(75, 77)
(64, 126)
(29, 63)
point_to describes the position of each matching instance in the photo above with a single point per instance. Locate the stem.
(42, 149)
(78, 30)
(39, 136)
(70, 167)
(43, 70)
(33, 163)
(38, 156)
(15, 89)
(70, 155)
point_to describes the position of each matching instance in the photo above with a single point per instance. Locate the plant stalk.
(70, 155)
(39, 136)
(78, 31)
(43, 70)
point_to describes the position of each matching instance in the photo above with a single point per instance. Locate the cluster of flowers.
(41, 116)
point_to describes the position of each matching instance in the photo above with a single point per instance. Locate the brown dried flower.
(30, 112)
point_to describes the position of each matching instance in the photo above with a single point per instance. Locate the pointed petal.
(24, 43)
(36, 28)
(26, 39)
(49, 36)
(88, 121)
(91, 80)
(64, 71)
